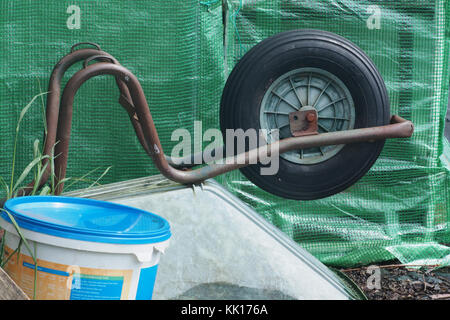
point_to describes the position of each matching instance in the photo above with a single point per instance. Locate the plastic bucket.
(85, 249)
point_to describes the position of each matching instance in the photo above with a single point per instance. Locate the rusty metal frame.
(53, 102)
(132, 98)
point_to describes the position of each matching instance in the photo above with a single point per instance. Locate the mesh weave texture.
(182, 52)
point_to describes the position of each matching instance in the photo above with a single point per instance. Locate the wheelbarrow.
(321, 93)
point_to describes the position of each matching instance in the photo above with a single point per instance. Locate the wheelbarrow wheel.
(307, 69)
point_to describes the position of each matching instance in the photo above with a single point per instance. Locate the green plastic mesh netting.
(182, 52)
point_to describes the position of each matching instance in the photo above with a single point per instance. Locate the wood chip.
(440, 296)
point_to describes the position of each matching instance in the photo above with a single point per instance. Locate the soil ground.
(395, 282)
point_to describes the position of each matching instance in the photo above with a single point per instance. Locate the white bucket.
(85, 249)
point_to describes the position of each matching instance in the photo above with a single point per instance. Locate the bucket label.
(56, 281)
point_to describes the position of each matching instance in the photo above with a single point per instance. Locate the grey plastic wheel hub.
(307, 88)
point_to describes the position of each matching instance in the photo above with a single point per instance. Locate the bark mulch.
(396, 282)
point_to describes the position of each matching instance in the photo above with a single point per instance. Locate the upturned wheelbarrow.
(319, 92)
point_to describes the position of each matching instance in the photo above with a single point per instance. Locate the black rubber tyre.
(291, 50)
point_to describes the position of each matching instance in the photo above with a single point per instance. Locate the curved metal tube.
(53, 104)
(188, 161)
(52, 109)
(399, 128)
(138, 101)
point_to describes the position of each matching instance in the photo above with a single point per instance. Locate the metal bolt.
(310, 117)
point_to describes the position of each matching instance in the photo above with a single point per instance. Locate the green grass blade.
(19, 232)
(36, 153)
(27, 246)
(5, 185)
(22, 114)
(41, 172)
(75, 181)
(45, 191)
(24, 241)
(99, 178)
(16, 251)
(44, 120)
(27, 170)
(13, 169)
(27, 107)
(82, 178)
(52, 167)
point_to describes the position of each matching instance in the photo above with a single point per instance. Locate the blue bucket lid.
(87, 219)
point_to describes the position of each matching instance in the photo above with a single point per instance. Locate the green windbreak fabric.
(182, 52)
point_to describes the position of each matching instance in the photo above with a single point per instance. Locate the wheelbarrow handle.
(53, 102)
(399, 128)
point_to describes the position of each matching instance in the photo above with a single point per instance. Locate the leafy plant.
(37, 168)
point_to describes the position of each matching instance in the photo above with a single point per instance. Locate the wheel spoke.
(309, 88)
(289, 103)
(321, 93)
(280, 113)
(324, 128)
(330, 104)
(295, 91)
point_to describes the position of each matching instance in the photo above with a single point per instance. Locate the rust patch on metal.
(303, 123)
